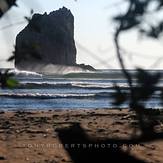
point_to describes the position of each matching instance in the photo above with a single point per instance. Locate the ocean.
(69, 91)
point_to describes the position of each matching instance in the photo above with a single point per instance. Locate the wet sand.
(31, 137)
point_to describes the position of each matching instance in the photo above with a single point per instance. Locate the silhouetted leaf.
(119, 97)
(147, 79)
(11, 58)
(160, 4)
(145, 85)
(32, 11)
(11, 83)
(27, 18)
(4, 77)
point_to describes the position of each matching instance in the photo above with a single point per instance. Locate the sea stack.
(47, 39)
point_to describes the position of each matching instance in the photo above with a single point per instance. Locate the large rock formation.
(47, 39)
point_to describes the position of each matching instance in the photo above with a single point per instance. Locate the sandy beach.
(31, 136)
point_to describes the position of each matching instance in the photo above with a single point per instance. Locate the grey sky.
(93, 33)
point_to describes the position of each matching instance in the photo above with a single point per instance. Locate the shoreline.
(4, 110)
(30, 136)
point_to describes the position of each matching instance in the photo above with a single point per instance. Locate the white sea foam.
(25, 73)
(51, 69)
(45, 95)
(80, 90)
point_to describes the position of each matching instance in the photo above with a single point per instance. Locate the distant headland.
(48, 41)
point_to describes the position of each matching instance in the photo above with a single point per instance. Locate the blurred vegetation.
(6, 78)
(136, 16)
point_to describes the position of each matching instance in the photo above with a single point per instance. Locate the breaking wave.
(82, 85)
(54, 96)
(24, 73)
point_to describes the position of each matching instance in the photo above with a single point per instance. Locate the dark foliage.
(11, 58)
(119, 97)
(146, 83)
(7, 80)
(145, 87)
(6, 5)
(134, 17)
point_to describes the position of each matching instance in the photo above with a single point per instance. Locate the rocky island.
(47, 44)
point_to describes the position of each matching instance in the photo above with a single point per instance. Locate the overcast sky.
(93, 33)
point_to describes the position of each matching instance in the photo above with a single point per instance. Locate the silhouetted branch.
(116, 40)
(12, 24)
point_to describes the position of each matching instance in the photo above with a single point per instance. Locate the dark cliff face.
(47, 39)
